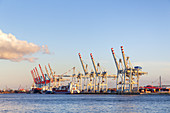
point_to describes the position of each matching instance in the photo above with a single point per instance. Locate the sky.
(41, 32)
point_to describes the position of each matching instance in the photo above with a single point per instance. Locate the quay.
(95, 81)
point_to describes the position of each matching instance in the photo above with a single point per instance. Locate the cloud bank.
(16, 50)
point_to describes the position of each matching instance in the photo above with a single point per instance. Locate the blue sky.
(69, 27)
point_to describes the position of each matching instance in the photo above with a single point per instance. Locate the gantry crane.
(100, 80)
(120, 71)
(87, 78)
(40, 81)
(129, 75)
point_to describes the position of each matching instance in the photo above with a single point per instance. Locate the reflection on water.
(83, 103)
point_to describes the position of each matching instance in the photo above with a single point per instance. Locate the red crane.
(33, 77)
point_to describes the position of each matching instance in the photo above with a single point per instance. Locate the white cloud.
(15, 50)
(45, 49)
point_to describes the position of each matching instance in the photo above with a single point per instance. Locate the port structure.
(100, 80)
(88, 83)
(95, 81)
(127, 75)
(56, 80)
(48, 80)
(89, 78)
(40, 81)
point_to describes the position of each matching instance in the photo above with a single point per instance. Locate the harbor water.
(14, 103)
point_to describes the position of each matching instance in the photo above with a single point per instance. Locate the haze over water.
(84, 103)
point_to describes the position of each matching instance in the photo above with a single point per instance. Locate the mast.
(160, 81)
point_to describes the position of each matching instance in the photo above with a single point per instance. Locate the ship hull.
(61, 92)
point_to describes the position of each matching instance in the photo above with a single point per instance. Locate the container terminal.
(94, 82)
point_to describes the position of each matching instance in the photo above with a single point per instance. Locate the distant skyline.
(71, 27)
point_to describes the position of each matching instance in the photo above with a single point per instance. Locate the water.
(83, 103)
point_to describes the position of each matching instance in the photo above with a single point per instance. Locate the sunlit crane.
(129, 75)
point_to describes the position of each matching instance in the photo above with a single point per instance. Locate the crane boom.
(51, 71)
(37, 74)
(124, 58)
(84, 69)
(47, 73)
(36, 77)
(114, 56)
(33, 76)
(41, 72)
(94, 64)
